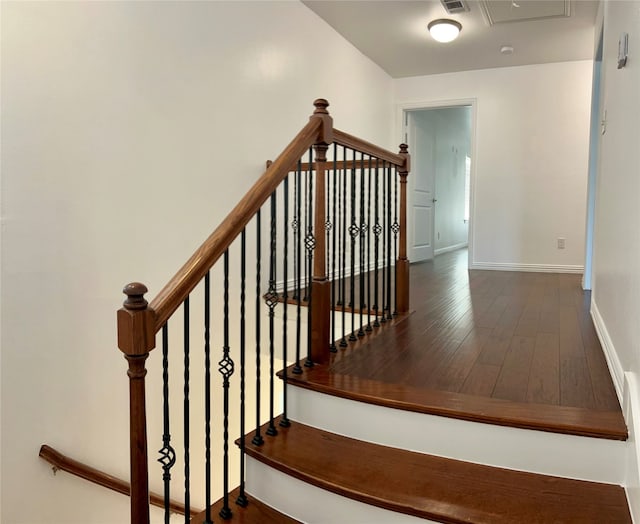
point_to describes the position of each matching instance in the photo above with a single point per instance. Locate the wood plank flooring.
(526, 337)
(488, 342)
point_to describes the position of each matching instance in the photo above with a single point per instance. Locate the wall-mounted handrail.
(64, 463)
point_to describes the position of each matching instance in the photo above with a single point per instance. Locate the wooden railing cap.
(135, 296)
(321, 105)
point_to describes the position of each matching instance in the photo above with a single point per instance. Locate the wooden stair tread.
(256, 512)
(437, 488)
(557, 419)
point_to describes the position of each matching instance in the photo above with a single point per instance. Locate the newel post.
(402, 264)
(136, 338)
(320, 285)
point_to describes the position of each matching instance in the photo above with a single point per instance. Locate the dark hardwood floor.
(491, 342)
(526, 337)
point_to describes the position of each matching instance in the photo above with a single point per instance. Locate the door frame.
(408, 107)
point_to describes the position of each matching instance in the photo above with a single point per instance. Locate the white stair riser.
(570, 456)
(313, 505)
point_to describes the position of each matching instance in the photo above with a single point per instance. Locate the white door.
(422, 141)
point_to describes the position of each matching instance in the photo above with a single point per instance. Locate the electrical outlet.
(561, 242)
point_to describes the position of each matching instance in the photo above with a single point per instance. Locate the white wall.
(531, 159)
(129, 130)
(452, 127)
(616, 277)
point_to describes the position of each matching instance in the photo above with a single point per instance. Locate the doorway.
(440, 140)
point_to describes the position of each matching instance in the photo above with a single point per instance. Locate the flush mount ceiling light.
(444, 30)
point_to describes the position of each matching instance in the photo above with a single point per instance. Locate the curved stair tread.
(256, 512)
(557, 419)
(433, 487)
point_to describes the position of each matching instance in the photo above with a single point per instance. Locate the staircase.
(347, 442)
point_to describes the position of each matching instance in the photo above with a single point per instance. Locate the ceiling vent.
(455, 6)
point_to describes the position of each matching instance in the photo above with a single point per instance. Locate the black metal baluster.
(284, 421)
(383, 317)
(389, 225)
(343, 273)
(354, 231)
(257, 438)
(368, 264)
(307, 222)
(272, 300)
(298, 271)
(363, 232)
(332, 345)
(187, 472)
(310, 244)
(377, 229)
(226, 370)
(207, 397)
(242, 497)
(396, 230)
(295, 226)
(167, 453)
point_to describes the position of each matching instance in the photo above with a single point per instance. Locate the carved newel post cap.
(321, 106)
(404, 148)
(135, 296)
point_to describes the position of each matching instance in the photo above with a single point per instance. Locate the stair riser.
(314, 505)
(569, 456)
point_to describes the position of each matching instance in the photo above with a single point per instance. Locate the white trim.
(632, 416)
(447, 249)
(613, 362)
(570, 456)
(534, 268)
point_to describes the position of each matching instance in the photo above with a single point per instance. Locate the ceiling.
(394, 33)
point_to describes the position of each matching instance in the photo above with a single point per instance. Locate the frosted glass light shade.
(444, 30)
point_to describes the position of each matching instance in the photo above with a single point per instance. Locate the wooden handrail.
(345, 139)
(179, 287)
(64, 463)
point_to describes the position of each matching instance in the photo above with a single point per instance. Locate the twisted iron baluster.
(242, 497)
(284, 421)
(207, 397)
(187, 472)
(272, 300)
(257, 438)
(167, 453)
(310, 244)
(298, 272)
(226, 370)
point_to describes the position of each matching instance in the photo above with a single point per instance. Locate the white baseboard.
(615, 366)
(632, 416)
(447, 249)
(533, 268)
